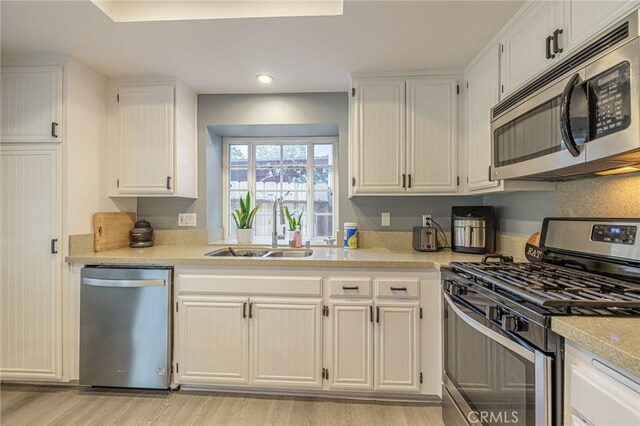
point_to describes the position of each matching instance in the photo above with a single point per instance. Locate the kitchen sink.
(289, 253)
(259, 252)
(238, 252)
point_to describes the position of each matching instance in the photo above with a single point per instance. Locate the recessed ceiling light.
(264, 78)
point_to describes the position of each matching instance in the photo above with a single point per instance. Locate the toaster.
(425, 238)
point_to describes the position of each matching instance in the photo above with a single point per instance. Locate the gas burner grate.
(555, 286)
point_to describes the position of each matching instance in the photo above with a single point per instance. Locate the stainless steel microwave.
(580, 117)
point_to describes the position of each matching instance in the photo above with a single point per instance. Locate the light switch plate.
(386, 219)
(186, 219)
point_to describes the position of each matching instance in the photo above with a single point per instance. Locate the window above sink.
(303, 171)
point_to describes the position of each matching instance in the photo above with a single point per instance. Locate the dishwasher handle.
(98, 282)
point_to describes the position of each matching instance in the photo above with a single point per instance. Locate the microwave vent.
(600, 45)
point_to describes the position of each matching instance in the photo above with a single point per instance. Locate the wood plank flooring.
(62, 405)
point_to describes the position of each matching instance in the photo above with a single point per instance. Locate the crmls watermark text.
(502, 417)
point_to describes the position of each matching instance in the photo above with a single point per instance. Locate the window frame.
(252, 142)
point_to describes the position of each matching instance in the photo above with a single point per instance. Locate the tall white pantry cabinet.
(52, 178)
(31, 222)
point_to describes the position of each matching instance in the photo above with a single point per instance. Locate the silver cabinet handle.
(97, 282)
(54, 129)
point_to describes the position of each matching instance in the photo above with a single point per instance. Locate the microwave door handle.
(565, 124)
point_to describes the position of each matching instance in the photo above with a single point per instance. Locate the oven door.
(489, 377)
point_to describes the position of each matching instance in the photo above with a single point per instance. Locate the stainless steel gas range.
(502, 362)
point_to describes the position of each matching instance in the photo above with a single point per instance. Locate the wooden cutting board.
(111, 230)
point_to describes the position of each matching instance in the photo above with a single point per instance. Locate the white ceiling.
(304, 54)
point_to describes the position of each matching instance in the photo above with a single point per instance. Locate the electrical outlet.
(186, 219)
(426, 220)
(386, 219)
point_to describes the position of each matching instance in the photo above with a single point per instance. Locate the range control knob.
(493, 313)
(510, 323)
(457, 290)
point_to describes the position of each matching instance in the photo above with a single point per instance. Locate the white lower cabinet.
(351, 340)
(31, 293)
(597, 393)
(375, 347)
(214, 340)
(269, 331)
(397, 347)
(286, 342)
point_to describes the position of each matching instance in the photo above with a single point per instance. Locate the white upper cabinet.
(404, 136)
(32, 104)
(378, 153)
(153, 139)
(583, 19)
(483, 82)
(528, 44)
(145, 117)
(544, 32)
(431, 135)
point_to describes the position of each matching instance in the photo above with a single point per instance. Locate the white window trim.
(310, 141)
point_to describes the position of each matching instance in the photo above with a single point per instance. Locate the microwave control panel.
(611, 94)
(614, 234)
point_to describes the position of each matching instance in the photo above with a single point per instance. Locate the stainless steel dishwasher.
(125, 327)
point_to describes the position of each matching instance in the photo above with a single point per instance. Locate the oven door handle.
(565, 123)
(525, 353)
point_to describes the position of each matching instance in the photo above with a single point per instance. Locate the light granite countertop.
(321, 257)
(616, 340)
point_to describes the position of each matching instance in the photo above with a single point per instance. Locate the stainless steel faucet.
(274, 232)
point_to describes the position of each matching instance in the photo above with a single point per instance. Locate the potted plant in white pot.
(295, 223)
(244, 217)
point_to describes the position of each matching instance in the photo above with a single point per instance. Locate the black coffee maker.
(473, 229)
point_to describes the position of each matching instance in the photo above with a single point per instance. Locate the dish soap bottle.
(297, 239)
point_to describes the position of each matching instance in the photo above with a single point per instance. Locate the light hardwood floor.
(58, 405)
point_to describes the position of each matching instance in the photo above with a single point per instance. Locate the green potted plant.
(295, 223)
(244, 217)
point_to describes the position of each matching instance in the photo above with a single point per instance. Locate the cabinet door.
(213, 340)
(431, 135)
(483, 81)
(525, 44)
(31, 104)
(583, 19)
(397, 347)
(351, 346)
(286, 343)
(30, 284)
(378, 155)
(145, 126)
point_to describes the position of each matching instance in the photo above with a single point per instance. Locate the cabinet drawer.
(247, 284)
(350, 287)
(397, 289)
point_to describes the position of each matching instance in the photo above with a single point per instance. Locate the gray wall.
(307, 114)
(521, 213)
